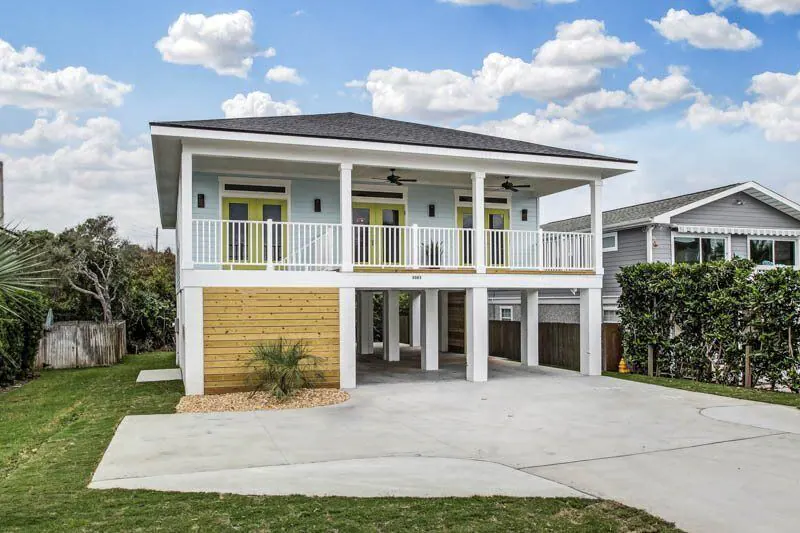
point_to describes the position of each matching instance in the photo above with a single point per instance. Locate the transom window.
(609, 242)
(689, 249)
(771, 252)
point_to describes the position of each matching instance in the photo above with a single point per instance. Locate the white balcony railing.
(306, 246)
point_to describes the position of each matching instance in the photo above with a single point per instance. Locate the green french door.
(496, 219)
(244, 245)
(377, 235)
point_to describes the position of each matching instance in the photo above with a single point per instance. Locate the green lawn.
(756, 395)
(54, 430)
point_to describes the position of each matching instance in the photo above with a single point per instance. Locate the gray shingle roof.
(357, 127)
(635, 213)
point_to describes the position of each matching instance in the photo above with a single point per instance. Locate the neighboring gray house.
(739, 220)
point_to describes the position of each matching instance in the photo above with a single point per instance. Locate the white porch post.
(346, 210)
(430, 329)
(391, 341)
(193, 376)
(591, 332)
(365, 310)
(186, 249)
(347, 338)
(529, 343)
(478, 222)
(416, 319)
(477, 303)
(597, 224)
(444, 325)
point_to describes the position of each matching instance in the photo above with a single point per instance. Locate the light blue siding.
(519, 202)
(207, 184)
(304, 191)
(421, 196)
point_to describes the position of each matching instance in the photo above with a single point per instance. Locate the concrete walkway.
(162, 374)
(708, 463)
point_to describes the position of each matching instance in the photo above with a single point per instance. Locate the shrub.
(283, 367)
(20, 332)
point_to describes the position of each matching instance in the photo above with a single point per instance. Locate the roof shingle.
(358, 127)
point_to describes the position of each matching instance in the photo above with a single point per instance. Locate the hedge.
(19, 337)
(700, 317)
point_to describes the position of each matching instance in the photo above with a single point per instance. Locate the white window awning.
(728, 230)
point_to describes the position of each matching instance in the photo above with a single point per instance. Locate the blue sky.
(717, 98)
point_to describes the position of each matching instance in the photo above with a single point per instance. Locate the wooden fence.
(81, 345)
(560, 345)
(504, 339)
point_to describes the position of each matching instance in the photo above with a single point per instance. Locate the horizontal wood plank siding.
(237, 319)
(738, 210)
(631, 249)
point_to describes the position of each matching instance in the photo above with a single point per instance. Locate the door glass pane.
(237, 231)
(687, 250)
(391, 235)
(466, 239)
(360, 235)
(496, 240)
(391, 217)
(497, 221)
(274, 213)
(784, 252)
(713, 250)
(761, 251)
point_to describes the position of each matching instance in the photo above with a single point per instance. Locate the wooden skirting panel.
(237, 319)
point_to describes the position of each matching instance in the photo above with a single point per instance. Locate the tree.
(91, 255)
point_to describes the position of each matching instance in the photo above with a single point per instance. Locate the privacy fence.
(81, 344)
(702, 319)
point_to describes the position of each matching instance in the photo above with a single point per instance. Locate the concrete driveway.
(708, 463)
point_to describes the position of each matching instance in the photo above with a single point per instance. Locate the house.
(738, 220)
(287, 226)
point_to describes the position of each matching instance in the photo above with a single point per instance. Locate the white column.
(430, 330)
(477, 334)
(185, 199)
(479, 222)
(597, 224)
(444, 325)
(346, 210)
(347, 338)
(391, 343)
(416, 318)
(365, 310)
(529, 343)
(193, 376)
(591, 345)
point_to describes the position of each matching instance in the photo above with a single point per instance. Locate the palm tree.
(22, 271)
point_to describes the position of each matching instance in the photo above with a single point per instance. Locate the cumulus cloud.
(281, 74)
(96, 170)
(528, 127)
(514, 4)
(258, 104)
(24, 83)
(707, 31)
(765, 7)
(221, 42)
(775, 108)
(567, 66)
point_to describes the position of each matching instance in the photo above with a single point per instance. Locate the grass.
(756, 395)
(53, 432)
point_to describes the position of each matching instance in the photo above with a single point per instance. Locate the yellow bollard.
(623, 368)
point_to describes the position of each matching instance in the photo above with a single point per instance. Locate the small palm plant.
(283, 367)
(23, 269)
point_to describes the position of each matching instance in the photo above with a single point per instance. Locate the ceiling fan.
(394, 179)
(508, 186)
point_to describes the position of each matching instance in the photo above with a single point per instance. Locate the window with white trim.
(506, 313)
(610, 242)
(772, 252)
(691, 249)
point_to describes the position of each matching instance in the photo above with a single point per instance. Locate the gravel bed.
(260, 401)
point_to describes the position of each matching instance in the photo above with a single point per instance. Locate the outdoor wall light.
(524, 215)
(201, 200)
(317, 205)
(431, 210)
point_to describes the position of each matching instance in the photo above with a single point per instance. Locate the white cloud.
(299, 13)
(567, 66)
(528, 127)
(707, 31)
(514, 4)
(60, 129)
(765, 7)
(258, 104)
(221, 42)
(282, 74)
(644, 94)
(23, 83)
(775, 109)
(94, 173)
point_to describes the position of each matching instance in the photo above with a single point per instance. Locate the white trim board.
(725, 230)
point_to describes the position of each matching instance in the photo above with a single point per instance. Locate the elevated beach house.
(287, 226)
